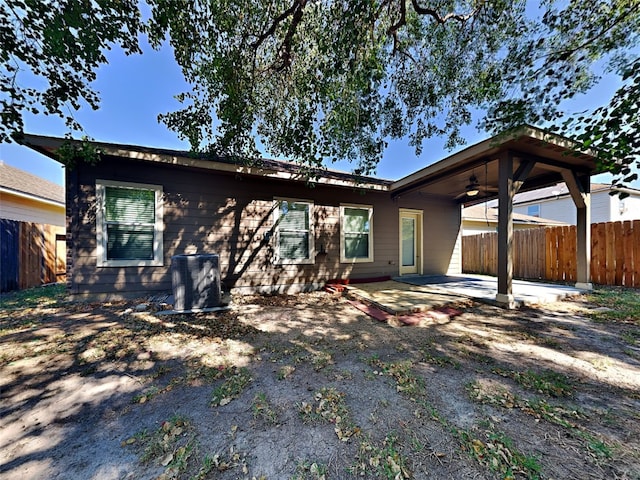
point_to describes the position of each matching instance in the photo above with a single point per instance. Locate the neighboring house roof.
(18, 182)
(479, 213)
(560, 190)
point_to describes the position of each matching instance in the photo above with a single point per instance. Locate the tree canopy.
(50, 52)
(318, 80)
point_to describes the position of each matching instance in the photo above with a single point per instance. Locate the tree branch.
(276, 21)
(285, 48)
(566, 53)
(420, 10)
(295, 11)
(402, 21)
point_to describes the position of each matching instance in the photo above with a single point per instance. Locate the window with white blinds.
(356, 233)
(129, 224)
(293, 231)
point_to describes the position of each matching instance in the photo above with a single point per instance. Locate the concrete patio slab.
(419, 293)
(399, 298)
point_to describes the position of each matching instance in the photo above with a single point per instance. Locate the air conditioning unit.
(196, 281)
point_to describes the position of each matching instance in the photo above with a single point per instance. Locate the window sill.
(295, 262)
(356, 260)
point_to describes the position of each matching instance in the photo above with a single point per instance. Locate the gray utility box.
(196, 281)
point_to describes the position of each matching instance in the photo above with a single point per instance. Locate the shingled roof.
(15, 180)
(490, 214)
(259, 167)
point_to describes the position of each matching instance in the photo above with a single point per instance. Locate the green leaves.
(612, 131)
(51, 52)
(332, 80)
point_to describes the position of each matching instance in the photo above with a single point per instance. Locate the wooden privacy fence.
(550, 253)
(31, 254)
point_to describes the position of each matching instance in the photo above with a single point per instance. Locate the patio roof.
(523, 159)
(448, 178)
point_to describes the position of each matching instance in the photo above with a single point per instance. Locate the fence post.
(634, 240)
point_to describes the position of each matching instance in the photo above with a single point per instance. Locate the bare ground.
(308, 387)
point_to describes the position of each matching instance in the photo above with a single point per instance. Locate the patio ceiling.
(448, 178)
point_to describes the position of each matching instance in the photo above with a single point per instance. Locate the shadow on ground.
(307, 386)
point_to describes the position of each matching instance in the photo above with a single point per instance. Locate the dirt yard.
(309, 387)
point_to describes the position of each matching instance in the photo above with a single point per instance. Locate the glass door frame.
(417, 216)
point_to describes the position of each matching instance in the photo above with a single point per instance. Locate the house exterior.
(555, 203)
(32, 230)
(135, 209)
(478, 219)
(28, 198)
(274, 228)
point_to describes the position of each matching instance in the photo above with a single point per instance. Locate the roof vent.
(196, 281)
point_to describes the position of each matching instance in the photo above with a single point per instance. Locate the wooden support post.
(583, 233)
(505, 231)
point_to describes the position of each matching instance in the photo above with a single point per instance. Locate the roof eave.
(29, 196)
(48, 145)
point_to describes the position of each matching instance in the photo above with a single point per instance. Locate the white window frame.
(343, 257)
(276, 229)
(101, 226)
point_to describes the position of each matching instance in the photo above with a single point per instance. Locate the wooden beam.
(522, 173)
(576, 190)
(570, 177)
(552, 165)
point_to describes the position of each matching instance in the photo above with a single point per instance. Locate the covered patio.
(404, 295)
(523, 159)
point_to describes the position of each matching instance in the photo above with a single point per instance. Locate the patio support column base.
(584, 286)
(506, 300)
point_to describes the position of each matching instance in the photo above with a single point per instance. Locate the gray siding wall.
(561, 209)
(213, 212)
(604, 208)
(630, 210)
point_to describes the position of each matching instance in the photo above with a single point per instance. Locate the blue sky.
(135, 89)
